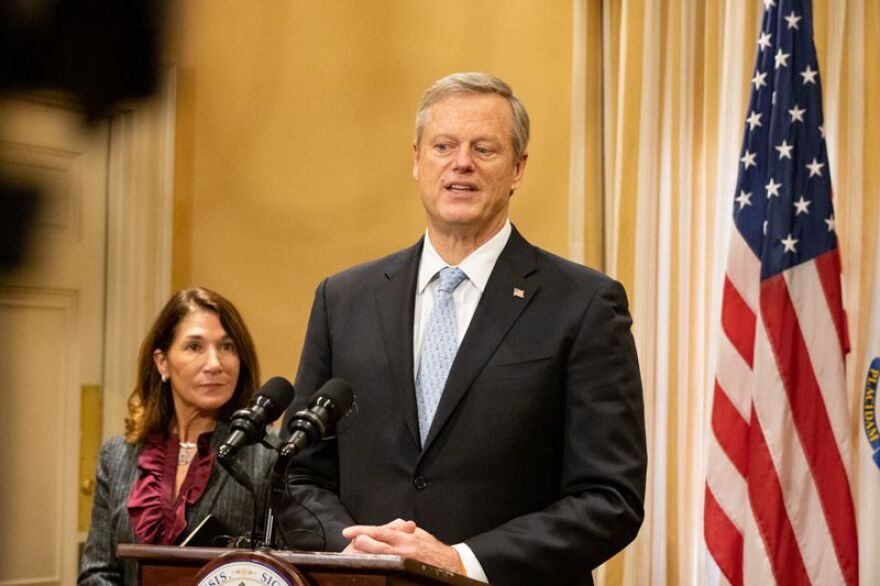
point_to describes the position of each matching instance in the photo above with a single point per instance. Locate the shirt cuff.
(470, 562)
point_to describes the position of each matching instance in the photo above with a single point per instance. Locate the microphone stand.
(274, 443)
(258, 540)
(239, 475)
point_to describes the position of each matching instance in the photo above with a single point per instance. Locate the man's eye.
(442, 148)
(483, 150)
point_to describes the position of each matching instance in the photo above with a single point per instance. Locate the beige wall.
(293, 156)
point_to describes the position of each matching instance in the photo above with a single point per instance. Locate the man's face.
(465, 164)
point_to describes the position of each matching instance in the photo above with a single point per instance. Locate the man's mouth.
(461, 187)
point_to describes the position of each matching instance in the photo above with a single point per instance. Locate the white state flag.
(868, 497)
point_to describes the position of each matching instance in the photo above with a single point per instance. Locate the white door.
(51, 336)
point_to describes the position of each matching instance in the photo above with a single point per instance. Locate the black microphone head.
(336, 396)
(279, 393)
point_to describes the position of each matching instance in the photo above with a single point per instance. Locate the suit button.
(420, 483)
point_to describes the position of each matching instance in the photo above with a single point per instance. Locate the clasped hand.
(405, 539)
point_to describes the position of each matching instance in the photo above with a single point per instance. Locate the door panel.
(52, 342)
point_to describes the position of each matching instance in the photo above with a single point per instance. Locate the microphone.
(249, 424)
(331, 403)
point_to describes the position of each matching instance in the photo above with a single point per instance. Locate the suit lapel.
(508, 293)
(396, 300)
(216, 483)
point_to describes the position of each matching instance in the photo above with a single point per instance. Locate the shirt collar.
(477, 265)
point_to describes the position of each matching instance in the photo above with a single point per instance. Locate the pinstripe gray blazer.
(111, 525)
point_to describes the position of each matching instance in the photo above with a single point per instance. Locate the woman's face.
(202, 365)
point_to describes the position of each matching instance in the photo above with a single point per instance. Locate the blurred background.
(266, 145)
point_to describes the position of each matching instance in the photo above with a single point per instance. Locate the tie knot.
(451, 278)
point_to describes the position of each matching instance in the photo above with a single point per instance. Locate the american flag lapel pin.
(519, 293)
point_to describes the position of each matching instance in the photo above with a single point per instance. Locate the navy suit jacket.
(536, 456)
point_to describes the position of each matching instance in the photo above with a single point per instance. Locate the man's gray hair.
(477, 83)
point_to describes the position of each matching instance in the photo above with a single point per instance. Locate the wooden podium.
(179, 566)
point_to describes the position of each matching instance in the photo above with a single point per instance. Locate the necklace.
(186, 453)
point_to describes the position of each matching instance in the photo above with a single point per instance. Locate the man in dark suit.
(499, 430)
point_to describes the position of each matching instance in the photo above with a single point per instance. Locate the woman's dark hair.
(150, 405)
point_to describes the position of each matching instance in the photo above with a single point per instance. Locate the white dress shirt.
(478, 267)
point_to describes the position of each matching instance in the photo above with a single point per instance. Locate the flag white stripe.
(823, 346)
(735, 377)
(756, 564)
(800, 495)
(727, 484)
(744, 270)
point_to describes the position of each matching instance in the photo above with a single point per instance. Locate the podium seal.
(249, 568)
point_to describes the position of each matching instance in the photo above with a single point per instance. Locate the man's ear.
(519, 171)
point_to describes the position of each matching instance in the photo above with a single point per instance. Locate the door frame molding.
(139, 237)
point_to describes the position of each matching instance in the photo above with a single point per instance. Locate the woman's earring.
(164, 378)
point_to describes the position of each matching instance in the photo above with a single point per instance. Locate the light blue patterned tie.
(439, 345)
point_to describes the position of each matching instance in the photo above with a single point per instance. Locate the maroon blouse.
(156, 517)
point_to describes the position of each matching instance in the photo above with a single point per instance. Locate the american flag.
(778, 505)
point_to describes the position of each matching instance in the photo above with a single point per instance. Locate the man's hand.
(405, 539)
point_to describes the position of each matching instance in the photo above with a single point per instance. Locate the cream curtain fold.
(654, 163)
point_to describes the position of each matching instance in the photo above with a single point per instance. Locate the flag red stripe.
(738, 321)
(731, 430)
(765, 498)
(828, 266)
(723, 539)
(811, 421)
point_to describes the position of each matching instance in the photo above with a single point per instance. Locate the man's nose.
(464, 160)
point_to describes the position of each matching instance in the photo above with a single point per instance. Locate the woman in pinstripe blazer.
(197, 366)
